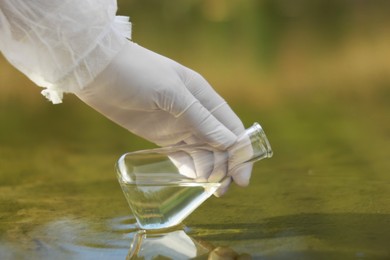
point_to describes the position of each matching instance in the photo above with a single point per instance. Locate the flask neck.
(259, 141)
(251, 146)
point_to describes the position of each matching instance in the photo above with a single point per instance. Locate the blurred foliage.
(269, 37)
(263, 56)
(283, 63)
(267, 47)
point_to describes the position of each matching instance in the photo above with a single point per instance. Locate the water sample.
(165, 205)
(165, 185)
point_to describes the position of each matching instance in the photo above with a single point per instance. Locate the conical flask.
(165, 185)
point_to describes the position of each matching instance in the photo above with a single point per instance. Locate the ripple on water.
(72, 238)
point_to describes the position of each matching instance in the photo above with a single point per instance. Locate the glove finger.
(211, 100)
(203, 159)
(220, 167)
(189, 112)
(184, 163)
(223, 188)
(240, 152)
(206, 127)
(242, 174)
(226, 116)
(212, 164)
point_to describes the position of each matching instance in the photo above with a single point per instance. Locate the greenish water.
(324, 195)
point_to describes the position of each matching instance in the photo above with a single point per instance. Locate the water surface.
(314, 74)
(324, 195)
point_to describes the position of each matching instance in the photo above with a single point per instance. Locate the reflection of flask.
(163, 186)
(175, 244)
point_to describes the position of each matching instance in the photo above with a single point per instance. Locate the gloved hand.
(166, 103)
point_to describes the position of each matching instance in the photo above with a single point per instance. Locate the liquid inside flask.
(163, 186)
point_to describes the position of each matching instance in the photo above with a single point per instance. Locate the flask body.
(163, 186)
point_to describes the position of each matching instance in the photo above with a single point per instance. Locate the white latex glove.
(166, 103)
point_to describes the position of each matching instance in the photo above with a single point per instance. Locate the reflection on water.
(75, 239)
(177, 244)
(174, 244)
(70, 238)
(308, 236)
(301, 236)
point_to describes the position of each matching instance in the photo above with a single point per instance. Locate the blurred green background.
(268, 59)
(315, 74)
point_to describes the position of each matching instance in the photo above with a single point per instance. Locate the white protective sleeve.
(61, 45)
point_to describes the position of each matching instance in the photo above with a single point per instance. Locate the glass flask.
(164, 185)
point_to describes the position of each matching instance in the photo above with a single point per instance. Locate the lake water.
(314, 74)
(324, 195)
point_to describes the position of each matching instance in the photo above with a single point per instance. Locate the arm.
(87, 54)
(61, 45)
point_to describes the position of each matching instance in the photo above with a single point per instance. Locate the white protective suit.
(82, 47)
